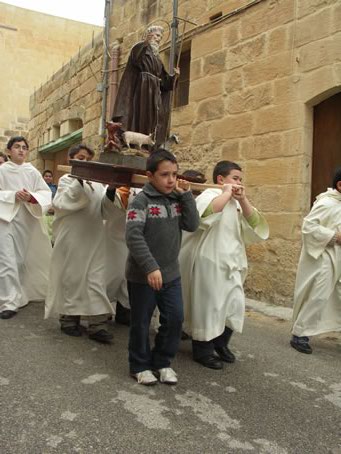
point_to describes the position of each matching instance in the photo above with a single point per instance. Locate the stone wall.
(67, 102)
(256, 72)
(32, 47)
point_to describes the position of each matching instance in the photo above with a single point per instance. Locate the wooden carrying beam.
(115, 175)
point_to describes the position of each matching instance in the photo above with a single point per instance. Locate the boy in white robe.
(116, 254)
(214, 265)
(77, 274)
(25, 249)
(317, 298)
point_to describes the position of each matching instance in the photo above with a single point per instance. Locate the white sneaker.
(146, 377)
(168, 376)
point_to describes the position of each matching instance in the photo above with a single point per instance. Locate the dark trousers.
(206, 348)
(143, 300)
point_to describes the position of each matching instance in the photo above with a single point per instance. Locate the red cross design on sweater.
(155, 211)
(178, 208)
(131, 215)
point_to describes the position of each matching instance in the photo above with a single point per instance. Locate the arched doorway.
(326, 143)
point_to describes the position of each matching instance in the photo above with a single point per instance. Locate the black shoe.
(185, 336)
(74, 331)
(301, 344)
(7, 314)
(102, 336)
(210, 361)
(122, 316)
(225, 354)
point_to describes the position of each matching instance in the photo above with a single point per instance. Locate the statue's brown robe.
(143, 98)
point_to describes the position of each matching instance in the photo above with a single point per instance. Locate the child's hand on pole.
(228, 188)
(238, 192)
(182, 186)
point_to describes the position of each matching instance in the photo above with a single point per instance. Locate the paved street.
(72, 395)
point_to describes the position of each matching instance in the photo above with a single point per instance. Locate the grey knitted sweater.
(153, 232)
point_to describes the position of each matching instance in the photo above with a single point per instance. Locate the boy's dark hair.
(224, 168)
(195, 174)
(337, 177)
(158, 156)
(16, 139)
(4, 155)
(47, 171)
(76, 148)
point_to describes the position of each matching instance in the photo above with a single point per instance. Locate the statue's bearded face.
(154, 38)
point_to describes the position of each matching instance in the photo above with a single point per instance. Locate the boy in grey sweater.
(155, 219)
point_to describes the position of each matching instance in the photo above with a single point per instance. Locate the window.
(181, 94)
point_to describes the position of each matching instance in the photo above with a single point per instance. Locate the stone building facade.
(33, 46)
(260, 84)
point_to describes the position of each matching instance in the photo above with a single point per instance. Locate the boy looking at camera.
(155, 219)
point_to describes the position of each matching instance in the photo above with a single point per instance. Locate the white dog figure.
(136, 138)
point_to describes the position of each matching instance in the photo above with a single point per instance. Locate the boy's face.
(18, 152)
(48, 178)
(234, 177)
(82, 155)
(164, 178)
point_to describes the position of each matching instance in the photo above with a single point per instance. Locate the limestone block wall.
(254, 82)
(68, 101)
(32, 47)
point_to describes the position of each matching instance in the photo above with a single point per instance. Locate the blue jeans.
(143, 300)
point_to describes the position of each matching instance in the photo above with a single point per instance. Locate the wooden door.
(326, 144)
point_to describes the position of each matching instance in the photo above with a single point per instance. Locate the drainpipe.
(113, 84)
(105, 67)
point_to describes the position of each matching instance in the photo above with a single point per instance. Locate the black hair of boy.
(76, 148)
(158, 156)
(4, 156)
(337, 177)
(191, 173)
(16, 139)
(46, 172)
(224, 168)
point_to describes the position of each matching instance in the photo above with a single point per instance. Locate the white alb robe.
(317, 298)
(213, 267)
(77, 274)
(117, 254)
(25, 249)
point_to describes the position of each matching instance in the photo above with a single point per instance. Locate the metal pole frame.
(174, 39)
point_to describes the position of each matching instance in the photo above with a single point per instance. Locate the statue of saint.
(143, 98)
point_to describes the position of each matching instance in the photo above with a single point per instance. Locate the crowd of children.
(195, 280)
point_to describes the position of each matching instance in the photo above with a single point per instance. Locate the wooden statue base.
(125, 160)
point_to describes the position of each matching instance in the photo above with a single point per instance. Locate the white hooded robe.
(317, 298)
(77, 274)
(213, 266)
(25, 249)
